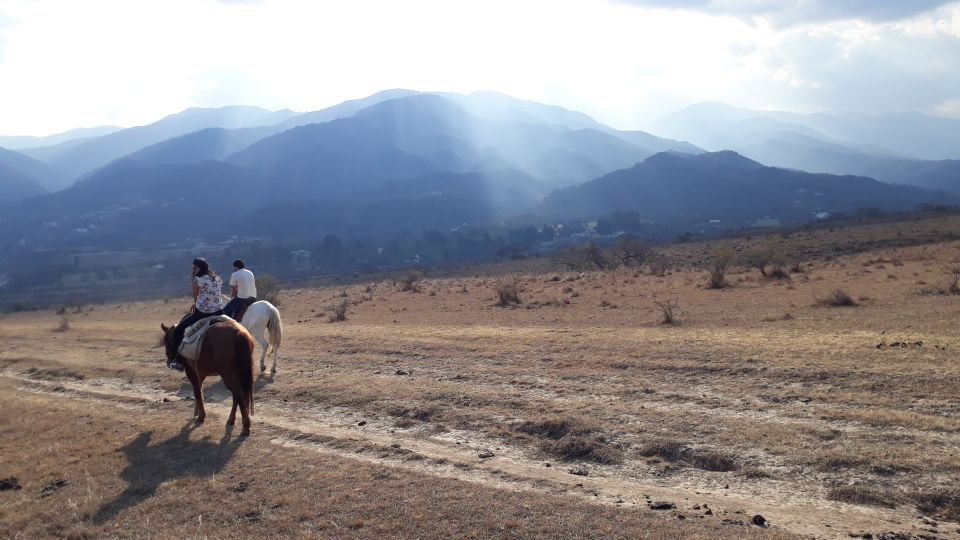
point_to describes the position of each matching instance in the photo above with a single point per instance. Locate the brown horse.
(227, 351)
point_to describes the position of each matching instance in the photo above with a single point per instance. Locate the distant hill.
(22, 177)
(423, 133)
(204, 145)
(810, 143)
(717, 126)
(342, 110)
(20, 142)
(731, 188)
(75, 161)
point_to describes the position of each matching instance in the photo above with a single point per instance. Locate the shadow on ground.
(149, 466)
(216, 392)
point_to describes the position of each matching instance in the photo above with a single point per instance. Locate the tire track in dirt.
(509, 468)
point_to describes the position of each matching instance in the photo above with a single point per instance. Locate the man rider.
(243, 289)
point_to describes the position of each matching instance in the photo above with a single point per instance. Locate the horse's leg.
(200, 413)
(276, 352)
(263, 353)
(196, 384)
(244, 414)
(262, 341)
(236, 390)
(232, 419)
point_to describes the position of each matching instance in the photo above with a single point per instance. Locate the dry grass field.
(434, 413)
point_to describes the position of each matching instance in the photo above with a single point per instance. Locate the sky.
(69, 63)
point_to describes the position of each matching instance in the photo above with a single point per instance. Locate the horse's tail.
(275, 327)
(244, 352)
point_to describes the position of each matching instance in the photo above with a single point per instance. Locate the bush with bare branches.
(669, 310)
(583, 258)
(717, 265)
(508, 293)
(629, 251)
(268, 288)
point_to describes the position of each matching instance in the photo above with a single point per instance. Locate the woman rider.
(207, 302)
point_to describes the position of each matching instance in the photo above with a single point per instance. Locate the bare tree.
(582, 258)
(757, 257)
(629, 251)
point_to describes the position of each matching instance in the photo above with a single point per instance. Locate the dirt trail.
(456, 455)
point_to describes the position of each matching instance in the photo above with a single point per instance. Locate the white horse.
(263, 316)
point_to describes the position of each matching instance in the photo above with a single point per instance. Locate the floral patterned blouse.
(209, 299)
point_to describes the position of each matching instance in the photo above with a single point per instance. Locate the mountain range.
(404, 159)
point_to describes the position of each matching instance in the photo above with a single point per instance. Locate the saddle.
(242, 309)
(193, 338)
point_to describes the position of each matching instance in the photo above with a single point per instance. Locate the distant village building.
(767, 221)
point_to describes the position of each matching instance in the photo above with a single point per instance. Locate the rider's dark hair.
(203, 267)
(238, 264)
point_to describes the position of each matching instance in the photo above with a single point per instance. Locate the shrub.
(338, 312)
(410, 280)
(268, 288)
(508, 293)
(669, 310)
(836, 298)
(657, 264)
(954, 287)
(64, 323)
(717, 265)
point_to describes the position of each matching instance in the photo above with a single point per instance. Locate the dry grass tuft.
(865, 495)
(939, 504)
(594, 449)
(571, 440)
(676, 452)
(836, 298)
(554, 428)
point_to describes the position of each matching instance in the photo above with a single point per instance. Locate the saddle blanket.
(193, 337)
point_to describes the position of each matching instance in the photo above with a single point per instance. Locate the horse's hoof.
(263, 368)
(200, 419)
(245, 433)
(273, 371)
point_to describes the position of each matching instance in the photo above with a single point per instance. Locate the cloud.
(873, 68)
(5, 23)
(784, 13)
(950, 107)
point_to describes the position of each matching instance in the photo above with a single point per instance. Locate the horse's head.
(168, 341)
